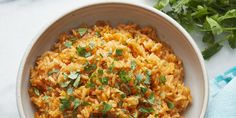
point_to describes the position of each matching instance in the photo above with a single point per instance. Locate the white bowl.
(116, 12)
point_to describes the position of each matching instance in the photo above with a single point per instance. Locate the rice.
(103, 71)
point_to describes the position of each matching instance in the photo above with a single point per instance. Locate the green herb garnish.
(81, 51)
(151, 98)
(68, 44)
(85, 103)
(146, 110)
(133, 65)
(162, 79)
(148, 78)
(73, 75)
(76, 103)
(104, 80)
(143, 89)
(170, 105)
(90, 68)
(97, 34)
(106, 107)
(212, 17)
(124, 76)
(100, 71)
(82, 31)
(119, 52)
(36, 91)
(110, 69)
(90, 84)
(65, 104)
(70, 91)
(77, 81)
(53, 71)
(65, 84)
(139, 77)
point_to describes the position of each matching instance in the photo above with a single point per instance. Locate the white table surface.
(21, 20)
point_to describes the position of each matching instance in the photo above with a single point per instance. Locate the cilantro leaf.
(36, 91)
(89, 68)
(232, 39)
(162, 79)
(106, 107)
(65, 84)
(119, 52)
(65, 104)
(148, 79)
(81, 51)
(151, 98)
(139, 77)
(170, 105)
(208, 38)
(73, 75)
(70, 91)
(133, 65)
(100, 71)
(146, 110)
(82, 31)
(76, 103)
(210, 51)
(161, 4)
(124, 76)
(214, 25)
(53, 71)
(77, 81)
(104, 80)
(68, 44)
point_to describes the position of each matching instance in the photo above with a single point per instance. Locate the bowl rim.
(89, 4)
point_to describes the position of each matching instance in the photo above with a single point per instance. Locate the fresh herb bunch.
(211, 17)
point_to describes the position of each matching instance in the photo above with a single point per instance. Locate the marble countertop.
(21, 20)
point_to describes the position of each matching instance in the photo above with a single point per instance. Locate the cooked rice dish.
(109, 72)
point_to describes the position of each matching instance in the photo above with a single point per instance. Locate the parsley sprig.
(210, 17)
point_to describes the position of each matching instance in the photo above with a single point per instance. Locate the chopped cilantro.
(124, 76)
(106, 107)
(104, 80)
(82, 31)
(68, 44)
(146, 110)
(90, 84)
(65, 84)
(119, 52)
(100, 71)
(76, 103)
(162, 79)
(36, 91)
(139, 77)
(101, 55)
(53, 71)
(73, 75)
(90, 68)
(81, 51)
(77, 81)
(151, 98)
(148, 79)
(97, 33)
(70, 91)
(133, 65)
(100, 87)
(110, 69)
(85, 103)
(65, 104)
(143, 89)
(170, 105)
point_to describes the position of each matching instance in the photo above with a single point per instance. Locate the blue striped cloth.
(222, 98)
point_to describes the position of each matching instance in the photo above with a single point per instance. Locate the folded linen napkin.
(222, 98)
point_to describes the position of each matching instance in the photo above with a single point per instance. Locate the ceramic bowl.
(168, 30)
